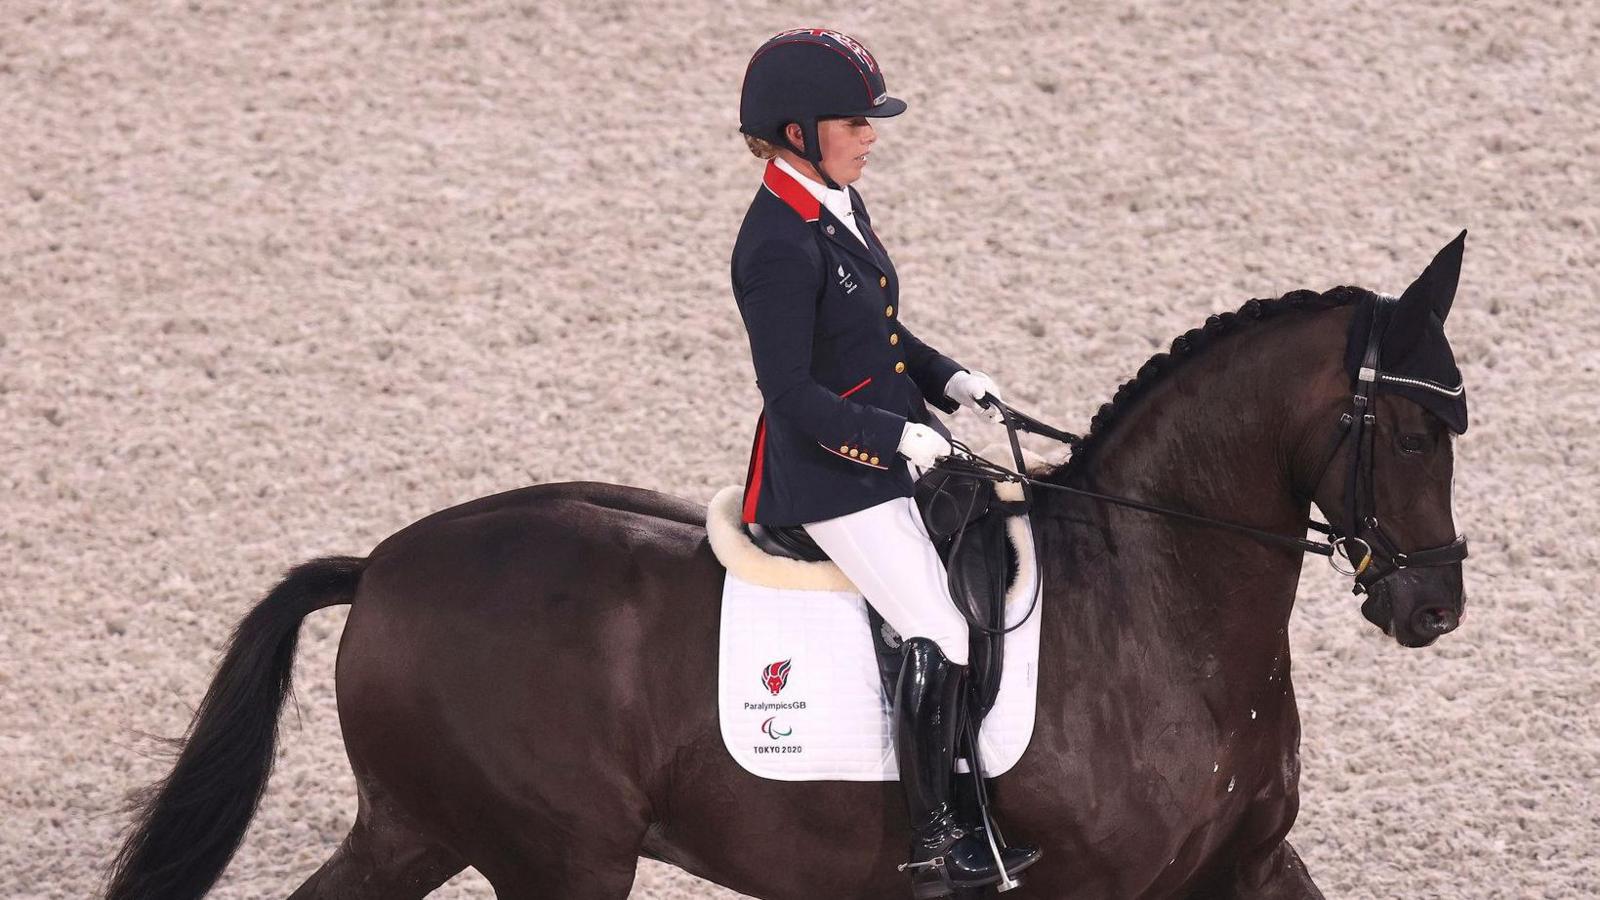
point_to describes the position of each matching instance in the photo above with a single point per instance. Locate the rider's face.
(845, 144)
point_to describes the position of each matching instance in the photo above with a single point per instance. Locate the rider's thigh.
(885, 550)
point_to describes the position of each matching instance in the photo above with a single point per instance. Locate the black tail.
(189, 824)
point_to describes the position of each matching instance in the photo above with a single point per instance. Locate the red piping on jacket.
(752, 483)
(858, 387)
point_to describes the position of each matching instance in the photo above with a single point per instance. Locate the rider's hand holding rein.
(968, 387)
(922, 445)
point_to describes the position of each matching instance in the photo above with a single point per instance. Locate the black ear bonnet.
(1415, 360)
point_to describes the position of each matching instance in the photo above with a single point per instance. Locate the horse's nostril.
(1438, 620)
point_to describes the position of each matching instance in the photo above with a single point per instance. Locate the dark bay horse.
(527, 682)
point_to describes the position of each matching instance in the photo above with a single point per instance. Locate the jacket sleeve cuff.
(875, 442)
(943, 369)
(947, 383)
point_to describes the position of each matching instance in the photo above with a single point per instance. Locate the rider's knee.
(952, 645)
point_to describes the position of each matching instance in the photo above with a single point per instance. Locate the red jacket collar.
(785, 188)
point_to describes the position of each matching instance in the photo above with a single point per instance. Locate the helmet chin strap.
(812, 152)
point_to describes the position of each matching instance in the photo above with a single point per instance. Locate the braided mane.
(1186, 345)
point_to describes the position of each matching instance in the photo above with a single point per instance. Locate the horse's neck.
(1216, 437)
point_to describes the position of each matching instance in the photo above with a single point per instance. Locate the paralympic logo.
(771, 730)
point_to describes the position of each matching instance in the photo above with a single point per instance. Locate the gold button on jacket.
(899, 367)
(883, 281)
(894, 339)
(888, 311)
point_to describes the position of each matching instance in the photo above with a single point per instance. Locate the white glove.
(922, 445)
(966, 387)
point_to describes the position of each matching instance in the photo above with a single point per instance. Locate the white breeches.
(885, 549)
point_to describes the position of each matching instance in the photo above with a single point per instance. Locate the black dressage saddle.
(967, 523)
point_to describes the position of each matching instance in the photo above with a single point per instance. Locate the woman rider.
(843, 383)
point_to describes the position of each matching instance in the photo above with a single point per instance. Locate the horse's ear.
(1436, 286)
(1432, 292)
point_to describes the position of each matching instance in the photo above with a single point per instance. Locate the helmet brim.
(891, 106)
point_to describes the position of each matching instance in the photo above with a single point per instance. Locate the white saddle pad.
(799, 694)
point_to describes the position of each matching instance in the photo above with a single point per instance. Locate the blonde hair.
(763, 149)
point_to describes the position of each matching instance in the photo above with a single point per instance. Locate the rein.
(979, 467)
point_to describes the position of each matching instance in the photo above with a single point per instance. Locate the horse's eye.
(1412, 442)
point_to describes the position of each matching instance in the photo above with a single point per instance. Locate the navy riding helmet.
(809, 74)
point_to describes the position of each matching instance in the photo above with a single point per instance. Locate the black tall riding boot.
(946, 853)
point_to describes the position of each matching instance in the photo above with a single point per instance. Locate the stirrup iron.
(926, 888)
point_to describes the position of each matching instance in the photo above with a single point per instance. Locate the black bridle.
(1380, 554)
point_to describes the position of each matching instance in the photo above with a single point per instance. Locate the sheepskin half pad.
(740, 555)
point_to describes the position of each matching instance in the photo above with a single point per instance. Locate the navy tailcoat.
(839, 372)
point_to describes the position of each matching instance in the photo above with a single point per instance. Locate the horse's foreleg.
(382, 858)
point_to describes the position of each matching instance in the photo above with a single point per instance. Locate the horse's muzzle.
(1400, 605)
